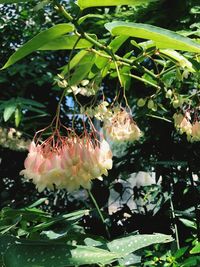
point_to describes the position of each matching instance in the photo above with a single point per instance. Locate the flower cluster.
(184, 124)
(101, 112)
(121, 127)
(67, 162)
(85, 87)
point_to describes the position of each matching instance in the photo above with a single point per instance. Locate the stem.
(99, 212)
(84, 35)
(174, 217)
(196, 200)
(144, 81)
(58, 108)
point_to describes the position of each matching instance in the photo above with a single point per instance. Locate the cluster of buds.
(85, 87)
(184, 124)
(122, 127)
(67, 162)
(101, 112)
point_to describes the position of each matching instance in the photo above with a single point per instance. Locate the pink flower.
(68, 162)
(121, 127)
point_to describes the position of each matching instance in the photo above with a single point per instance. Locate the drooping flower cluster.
(184, 124)
(122, 127)
(67, 162)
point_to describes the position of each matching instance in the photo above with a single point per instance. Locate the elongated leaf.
(91, 3)
(163, 38)
(45, 254)
(131, 243)
(38, 41)
(8, 111)
(67, 42)
(196, 249)
(169, 53)
(75, 60)
(82, 69)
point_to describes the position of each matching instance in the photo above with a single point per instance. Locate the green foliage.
(196, 249)
(89, 3)
(163, 38)
(57, 247)
(18, 106)
(67, 42)
(38, 41)
(157, 82)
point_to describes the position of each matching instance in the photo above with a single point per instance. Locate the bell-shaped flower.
(121, 127)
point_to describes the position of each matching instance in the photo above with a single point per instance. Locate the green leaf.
(5, 242)
(91, 3)
(163, 38)
(131, 243)
(38, 41)
(75, 60)
(8, 111)
(177, 57)
(82, 69)
(25, 101)
(67, 42)
(18, 116)
(169, 53)
(195, 249)
(45, 254)
(115, 44)
(188, 223)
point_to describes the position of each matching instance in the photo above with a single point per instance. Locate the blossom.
(195, 134)
(69, 162)
(182, 123)
(121, 127)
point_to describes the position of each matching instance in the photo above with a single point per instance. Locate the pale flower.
(195, 135)
(182, 123)
(121, 127)
(70, 163)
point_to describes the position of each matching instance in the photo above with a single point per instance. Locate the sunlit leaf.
(8, 111)
(38, 41)
(163, 38)
(67, 42)
(196, 249)
(91, 3)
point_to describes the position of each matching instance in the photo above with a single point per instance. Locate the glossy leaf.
(169, 53)
(196, 249)
(163, 38)
(75, 60)
(8, 111)
(18, 116)
(131, 243)
(67, 42)
(82, 69)
(91, 3)
(38, 41)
